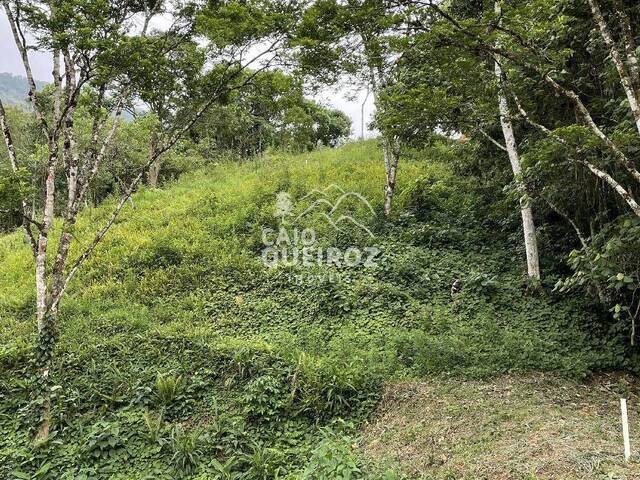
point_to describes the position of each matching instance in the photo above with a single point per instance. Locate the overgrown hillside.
(181, 353)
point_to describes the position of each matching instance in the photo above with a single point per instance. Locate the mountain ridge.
(14, 89)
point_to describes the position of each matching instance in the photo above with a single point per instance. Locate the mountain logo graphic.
(322, 204)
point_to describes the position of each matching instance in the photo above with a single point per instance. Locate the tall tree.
(100, 48)
(532, 51)
(450, 88)
(352, 39)
(528, 224)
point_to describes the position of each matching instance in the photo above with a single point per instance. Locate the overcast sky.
(349, 101)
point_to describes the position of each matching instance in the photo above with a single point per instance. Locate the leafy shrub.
(482, 283)
(154, 426)
(265, 396)
(103, 440)
(186, 448)
(332, 459)
(168, 388)
(263, 463)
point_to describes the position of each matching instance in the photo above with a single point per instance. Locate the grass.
(514, 427)
(270, 368)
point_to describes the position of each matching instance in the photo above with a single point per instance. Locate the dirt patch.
(534, 427)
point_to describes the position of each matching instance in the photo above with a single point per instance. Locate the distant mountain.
(14, 88)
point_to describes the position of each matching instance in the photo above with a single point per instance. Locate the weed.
(186, 448)
(167, 388)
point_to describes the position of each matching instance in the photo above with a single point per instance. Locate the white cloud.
(351, 103)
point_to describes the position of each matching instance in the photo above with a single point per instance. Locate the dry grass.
(534, 427)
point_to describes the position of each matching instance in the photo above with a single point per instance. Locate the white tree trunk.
(390, 145)
(629, 45)
(391, 155)
(528, 225)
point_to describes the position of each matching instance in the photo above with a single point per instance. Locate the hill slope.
(178, 346)
(14, 89)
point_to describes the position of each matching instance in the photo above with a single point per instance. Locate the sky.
(349, 100)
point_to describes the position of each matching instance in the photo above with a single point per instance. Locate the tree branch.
(625, 78)
(21, 44)
(624, 194)
(13, 160)
(491, 139)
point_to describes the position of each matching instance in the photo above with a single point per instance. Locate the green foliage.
(481, 283)
(14, 186)
(264, 463)
(609, 265)
(225, 471)
(168, 388)
(554, 63)
(291, 352)
(333, 459)
(254, 364)
(103, 440)
(265, 396)
(186, 448)
(272, 112)
(154, 424)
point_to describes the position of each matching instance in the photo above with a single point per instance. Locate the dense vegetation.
(198, 280)
(272, 114)
(180, 352)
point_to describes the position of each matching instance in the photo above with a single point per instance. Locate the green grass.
(178, 288)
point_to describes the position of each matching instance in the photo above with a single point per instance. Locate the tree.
(568, 85)
(528, 225)
(97, 50)
(353, 39)
(271, 112)
(333, 126)
(531, 50)
(448, 87)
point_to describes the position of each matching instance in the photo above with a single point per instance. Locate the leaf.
(44, 469)
(21, 475)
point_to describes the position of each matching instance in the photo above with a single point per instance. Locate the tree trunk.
(154, 168)
(154, 173)
(391, 155)
(44, 357)
(616, 58)
(629, 45)
(46, 343)
(364, 103)
(528, 225)
(390, 146)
